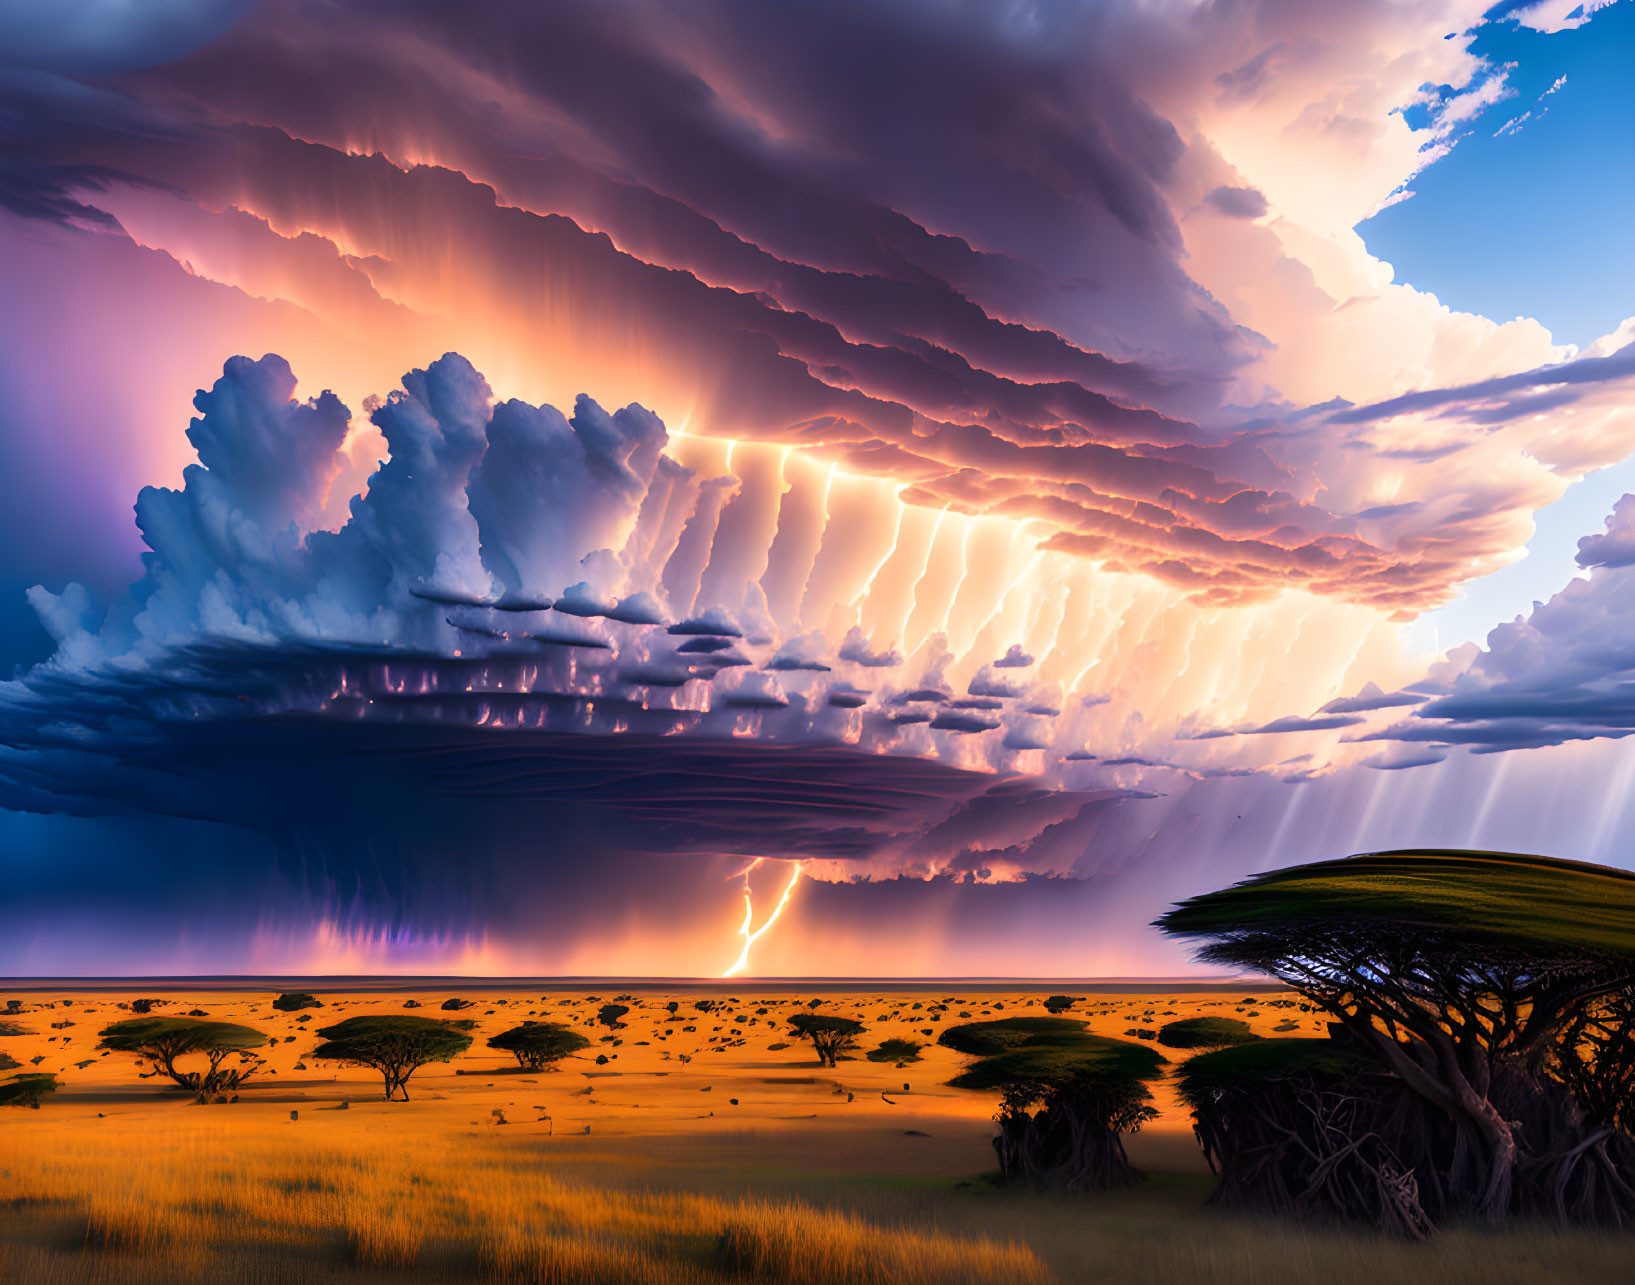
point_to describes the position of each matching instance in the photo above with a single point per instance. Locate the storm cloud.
(966, 449)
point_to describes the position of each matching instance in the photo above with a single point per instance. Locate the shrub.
(294, 1001)
(895, 1050)
(1205, 1033)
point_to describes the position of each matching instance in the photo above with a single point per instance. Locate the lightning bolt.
(750, 938)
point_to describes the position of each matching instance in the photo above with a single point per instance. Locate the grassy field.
(701, 1155)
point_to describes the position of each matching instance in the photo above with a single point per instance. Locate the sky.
(910, 488)
(1531, 185)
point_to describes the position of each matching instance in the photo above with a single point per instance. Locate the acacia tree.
(162, 1040)
(830, 1035)
(27, 1090)
(1312, 1128)
(609, 1014)
(1067, 1098)
(394, 1044)
(538, 1044)
(1475, 979)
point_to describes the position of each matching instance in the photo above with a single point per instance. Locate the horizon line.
(486, 979)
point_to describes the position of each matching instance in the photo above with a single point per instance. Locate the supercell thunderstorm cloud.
(952, 477)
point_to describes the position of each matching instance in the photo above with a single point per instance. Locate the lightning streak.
(750, 938)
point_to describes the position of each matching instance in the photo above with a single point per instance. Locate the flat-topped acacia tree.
(538, 1044)
(1313, 1129)
(1068, 1098)
(831, 1035)
(27, 1090)
(163, 1040)
(395, 1044)
(1484, 982)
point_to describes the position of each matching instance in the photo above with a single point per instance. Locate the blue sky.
(1551, 201)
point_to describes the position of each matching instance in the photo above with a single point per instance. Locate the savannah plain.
(708, 1146)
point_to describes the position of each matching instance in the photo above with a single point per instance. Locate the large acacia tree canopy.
(395, 1038)
(1496, 989)
(1249, 1067)
(1486, 900)
(174, 1036)
(1049, 1051)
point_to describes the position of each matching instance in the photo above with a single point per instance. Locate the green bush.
(1205, 1033)
(1048, 1050)
(895, 1050)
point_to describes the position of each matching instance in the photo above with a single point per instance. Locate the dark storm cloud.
(418, 811)
(954, 721)
(374, 698)
(773, 236)
(1507, 397)
(1014, 658)
(1564, 672)
(1237, 202)
(1371, 698)
(1290, 723)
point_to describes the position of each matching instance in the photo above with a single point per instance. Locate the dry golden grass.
(644, 1169)
(198, 1195)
